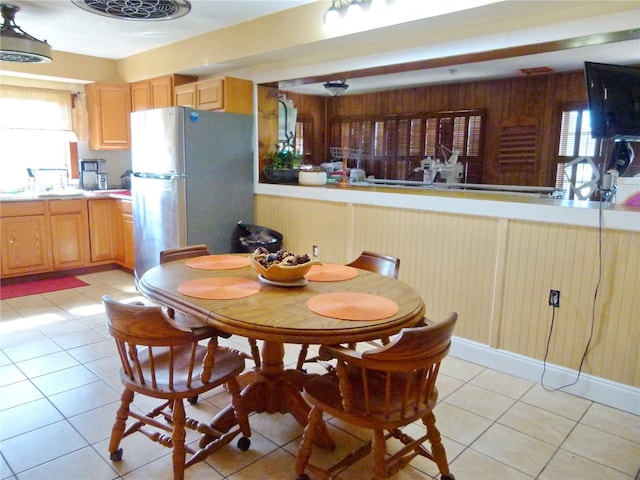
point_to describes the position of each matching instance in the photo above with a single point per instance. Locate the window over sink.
(35, 132)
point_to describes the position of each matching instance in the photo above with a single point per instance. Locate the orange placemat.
(352, 306)
(330, 272)
(218, 262)
(220, 288)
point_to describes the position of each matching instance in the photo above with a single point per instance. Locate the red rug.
(39, 286)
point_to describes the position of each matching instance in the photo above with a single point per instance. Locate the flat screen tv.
(613, 92)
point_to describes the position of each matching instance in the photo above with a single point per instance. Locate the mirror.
(535, 80)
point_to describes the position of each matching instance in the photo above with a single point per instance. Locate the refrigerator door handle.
(159, 176)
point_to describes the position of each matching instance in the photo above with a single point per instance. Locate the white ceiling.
(70, 29)
(622, 53)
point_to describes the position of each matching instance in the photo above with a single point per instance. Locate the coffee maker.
(93, 174)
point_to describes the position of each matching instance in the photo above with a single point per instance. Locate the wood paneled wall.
(495, 273)
(313, 107)
(537, 96)
(267, 123)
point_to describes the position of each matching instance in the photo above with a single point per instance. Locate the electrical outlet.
(315, 250)
(554, 298)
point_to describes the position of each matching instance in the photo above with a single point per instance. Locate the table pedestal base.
(272, 389)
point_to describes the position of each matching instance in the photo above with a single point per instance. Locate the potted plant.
(282, 164)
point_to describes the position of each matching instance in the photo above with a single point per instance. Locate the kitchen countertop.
(488, 204)
(65, 194)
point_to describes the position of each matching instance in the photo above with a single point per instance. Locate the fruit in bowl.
(281, 266)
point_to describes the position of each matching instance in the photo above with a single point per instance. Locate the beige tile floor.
(59, 391)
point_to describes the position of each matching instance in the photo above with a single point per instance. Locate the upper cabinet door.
(157, 92)
(225, 94)
(141, 96)
(109, 106)
(186, 95)
(161, 90)
(210, 94)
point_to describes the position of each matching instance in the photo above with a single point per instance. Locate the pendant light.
(336, 89)
(16, 45)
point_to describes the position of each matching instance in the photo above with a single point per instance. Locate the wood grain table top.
(281, 313)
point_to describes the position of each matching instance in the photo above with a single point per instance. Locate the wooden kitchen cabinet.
(140, 96)
(109, 107)
(43, 236)
(210, 94)
(111, 231)
(69, 233)
(156, 92)
(123, 229)
(227, 94)
(102, 235)
(25, 239)
(185, 95)
(127, 234)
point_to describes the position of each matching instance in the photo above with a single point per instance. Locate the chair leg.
(302, 356)
(379, 452)
(255, 352)
(241, 412)
(308, 439)
(120, 423)
(178, 438)
(437, 449)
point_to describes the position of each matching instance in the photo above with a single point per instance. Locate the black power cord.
(593, 312)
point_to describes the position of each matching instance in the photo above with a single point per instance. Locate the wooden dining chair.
(383, 389)
(374, 262)
(165, 363)
(182, 319)
(379, 263)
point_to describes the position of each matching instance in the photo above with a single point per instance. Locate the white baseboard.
(617, 395)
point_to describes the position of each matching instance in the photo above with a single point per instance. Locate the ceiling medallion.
(146, 10)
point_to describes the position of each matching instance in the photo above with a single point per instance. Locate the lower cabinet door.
(102, 217)
(25, 245)
(69, 240)
(127, 230)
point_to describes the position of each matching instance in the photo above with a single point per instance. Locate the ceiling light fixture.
(16, 45)
(136, 9)
(354, 14)
(343, 12)
(336, 89)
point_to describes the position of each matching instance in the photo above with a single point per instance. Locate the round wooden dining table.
(278, 315)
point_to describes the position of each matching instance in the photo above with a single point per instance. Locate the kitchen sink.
(62, 193)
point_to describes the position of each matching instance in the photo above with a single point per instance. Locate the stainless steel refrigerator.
(192, 180)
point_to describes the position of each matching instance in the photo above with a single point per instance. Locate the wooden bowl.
(283, 274)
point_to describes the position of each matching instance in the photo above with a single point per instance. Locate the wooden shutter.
(518, 145)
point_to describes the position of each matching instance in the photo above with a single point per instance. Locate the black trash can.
(246, 238)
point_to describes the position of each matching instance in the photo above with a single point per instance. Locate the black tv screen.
(613, 92)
